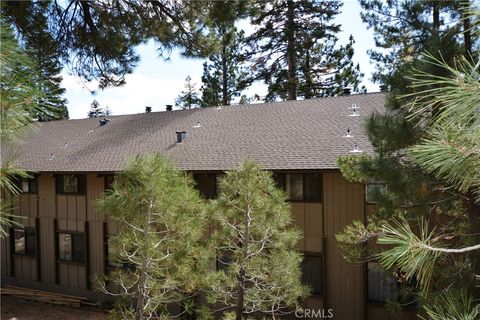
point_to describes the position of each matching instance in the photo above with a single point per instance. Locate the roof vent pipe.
(346, 91)
(169, 107)
(383, 88)
(148, 109)
(104, 121)
(181, 135)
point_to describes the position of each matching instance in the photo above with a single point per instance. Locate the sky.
(156, 82)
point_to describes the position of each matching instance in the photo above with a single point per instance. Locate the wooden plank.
(63, 274)
(73, 275)
(72, 209)
(343, 203)
(62, 207)
(313, 219)
(298, 211)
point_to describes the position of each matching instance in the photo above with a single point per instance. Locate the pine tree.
(189, 97)
(294, 49)
(161, 221)
(425, 146)
(21, 90)
(95, 110)
(44, 51)
(224, 76)
(256, 242)
(97, 40)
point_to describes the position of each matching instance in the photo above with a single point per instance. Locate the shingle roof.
(306, 134)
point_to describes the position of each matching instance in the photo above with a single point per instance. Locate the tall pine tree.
(31, 22)
(294, 49)
(224, 75)
(419, 188)
(256, 242)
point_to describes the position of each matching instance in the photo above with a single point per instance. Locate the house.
(65, 240)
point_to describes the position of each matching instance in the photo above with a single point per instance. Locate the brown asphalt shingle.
(305, 134)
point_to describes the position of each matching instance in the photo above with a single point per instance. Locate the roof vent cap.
(168, 107)
(181, 135)
(354, 113)
(348, 134)
(148, 109)
(52, 156)
(198, 125)
(104, 121)
(356, 149)
(347, 91)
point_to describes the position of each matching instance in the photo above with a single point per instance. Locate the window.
(71, 247)
(313, 187)
(300, 186)
(28, 185)
(206, 183)
(109, 181)
(373, 192)
(312, 273)
(25, 242)
(71, 184)
(382, 286)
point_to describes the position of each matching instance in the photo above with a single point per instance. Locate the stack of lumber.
(43, 296)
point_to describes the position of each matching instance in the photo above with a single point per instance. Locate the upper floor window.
(25, 242)
(206, 183)
(373, 191)
(300, 186)
(109, 181)
(71, 183)
(28, 185)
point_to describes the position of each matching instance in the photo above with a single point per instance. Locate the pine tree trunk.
(143, 267)
(436, 18)
(241, 274)
(292, 79)
(467, 35)
(308, 77)
(224, 75)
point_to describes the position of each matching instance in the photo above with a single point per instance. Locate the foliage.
(453, 306)
(255, 242)
(97, 39)
(95, 110)
(161, 221)
(224, 75)
(21, 91)
(426, 145)
(31, 24)
(189, 97)
(294, 49)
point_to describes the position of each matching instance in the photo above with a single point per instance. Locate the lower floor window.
(71, 247)
(312, 273)
(25, 242)
(382, 286)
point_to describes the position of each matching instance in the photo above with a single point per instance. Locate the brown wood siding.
(47, 213)
(343, 203)
(95, 216)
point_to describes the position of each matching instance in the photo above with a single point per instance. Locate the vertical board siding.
(95, 216)
(47, 212)
(343, 203)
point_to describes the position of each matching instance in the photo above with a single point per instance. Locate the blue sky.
(156, 82)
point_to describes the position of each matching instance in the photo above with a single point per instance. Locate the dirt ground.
(21, 309)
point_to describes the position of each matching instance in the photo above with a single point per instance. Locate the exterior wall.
(342, 202)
